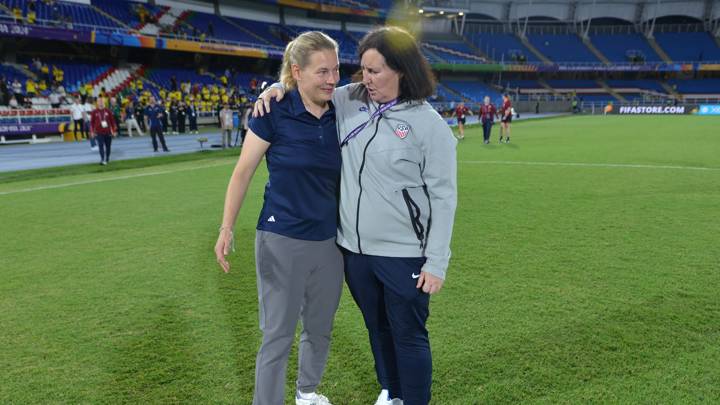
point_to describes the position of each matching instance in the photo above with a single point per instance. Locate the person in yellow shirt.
(30, 88)
(58, 74)
(17, 15)
(42, 86)
(89, 88)
(225, 99)
(162, 93)
(214, 89)
(139, 84)
(224, 80)
(132, 85)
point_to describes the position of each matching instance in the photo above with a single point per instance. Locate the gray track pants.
(297, 279)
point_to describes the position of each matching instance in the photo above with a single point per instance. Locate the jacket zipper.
(362, 166)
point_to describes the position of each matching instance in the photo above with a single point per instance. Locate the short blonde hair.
(298, 51)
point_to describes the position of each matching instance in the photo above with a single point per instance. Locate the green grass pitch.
(585, 269)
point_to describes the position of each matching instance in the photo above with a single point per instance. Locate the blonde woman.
(299, 267)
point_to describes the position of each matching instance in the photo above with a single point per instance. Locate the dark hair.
(402, 54)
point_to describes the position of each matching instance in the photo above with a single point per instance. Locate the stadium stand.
(562, 47)
(696, 86)
(79, 16)
(689, 46)
(473, 90)
(625, 47)
(503, 47)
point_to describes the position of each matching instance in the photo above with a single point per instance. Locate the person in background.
(61, 91)
(181, 117)
(82, 90)
(226, 125)
(461, 112)
(103, 127)
(31, 12)
(192, 114)
(116, 112)
(17, 88)
(487, 118)
(87, 109)
(140, 111)
(17, 15)
(30, 88)
(54, 98)
(505, 119)
(131, 119)
(173, 111)
(77, 111)
(153, 117)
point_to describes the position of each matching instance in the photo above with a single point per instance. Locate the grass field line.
(580, 164)
(102, 180)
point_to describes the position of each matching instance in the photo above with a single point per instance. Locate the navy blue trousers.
(395, 314)
(487, 128)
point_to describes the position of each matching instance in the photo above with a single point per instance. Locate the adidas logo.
(272, 218)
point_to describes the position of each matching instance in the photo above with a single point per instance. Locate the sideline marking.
(490, 162)
(102, 180)
(613, 165)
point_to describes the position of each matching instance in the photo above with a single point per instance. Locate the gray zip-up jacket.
(398, 188)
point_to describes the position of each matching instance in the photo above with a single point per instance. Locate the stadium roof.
(578, 10)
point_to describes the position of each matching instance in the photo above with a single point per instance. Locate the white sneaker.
(94, 148)
(383, 399)
(311, 398)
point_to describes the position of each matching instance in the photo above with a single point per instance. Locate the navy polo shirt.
(151, 112)
(301, 196)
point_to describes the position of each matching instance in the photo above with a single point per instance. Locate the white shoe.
(94, 148)
(383, 399)
(311, 398)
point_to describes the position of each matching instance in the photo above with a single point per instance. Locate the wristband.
(232, 235)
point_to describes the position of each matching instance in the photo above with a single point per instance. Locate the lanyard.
(362, 126)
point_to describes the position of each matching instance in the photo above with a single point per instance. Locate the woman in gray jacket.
(398, 194)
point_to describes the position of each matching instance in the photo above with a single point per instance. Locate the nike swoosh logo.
(415, 275)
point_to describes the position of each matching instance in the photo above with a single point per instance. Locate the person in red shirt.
(104, 128)
(505, 118)
(487, 118)
(461, 111)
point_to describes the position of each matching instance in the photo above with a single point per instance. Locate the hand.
(430, 284)
(114, 134)
(262, 104)
(223, 247)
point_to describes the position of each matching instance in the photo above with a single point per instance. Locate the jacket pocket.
(415, 214)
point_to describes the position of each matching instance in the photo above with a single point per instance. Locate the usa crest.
(402, 130)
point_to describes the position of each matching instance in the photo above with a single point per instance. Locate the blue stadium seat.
(562, 48)
(689, 46)
(474, 90)
(616, 47)
(502, 47)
